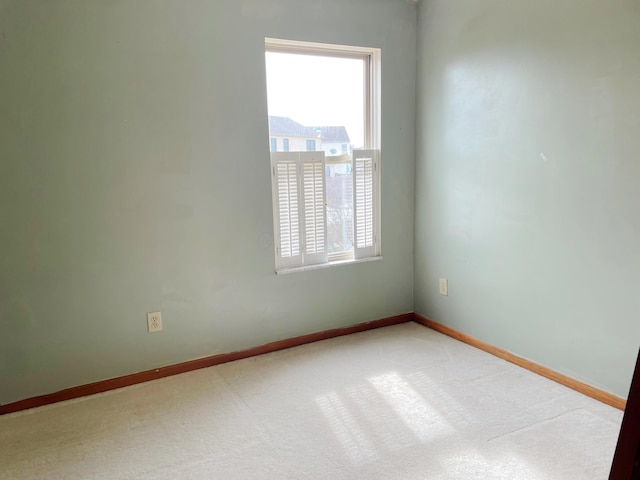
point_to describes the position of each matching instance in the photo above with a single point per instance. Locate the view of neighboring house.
(335, 140)
(287, 135)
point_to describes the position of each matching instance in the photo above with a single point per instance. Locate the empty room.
(319, 239)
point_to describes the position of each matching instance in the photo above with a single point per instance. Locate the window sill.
(286, 271)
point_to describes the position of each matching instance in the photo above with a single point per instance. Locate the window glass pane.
(314, 97)
(316, 103)
(339, 184)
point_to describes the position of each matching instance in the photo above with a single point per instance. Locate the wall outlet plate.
(444, 286)
(154, 321)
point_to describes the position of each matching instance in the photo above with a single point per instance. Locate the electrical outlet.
(444, 286)
(154, 322)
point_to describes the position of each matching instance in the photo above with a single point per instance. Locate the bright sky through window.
(316, 90)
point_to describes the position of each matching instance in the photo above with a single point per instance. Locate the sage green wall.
(528, 166)
(134, 176)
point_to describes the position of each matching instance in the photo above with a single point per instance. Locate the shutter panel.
(365, 188)
(299, 206)
(286, 197)
(314, 212)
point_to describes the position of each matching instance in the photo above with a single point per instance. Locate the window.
(311, 145)
(325, 184)
(285, 144)
(274, 144)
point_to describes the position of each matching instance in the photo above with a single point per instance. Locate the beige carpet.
(402, 402)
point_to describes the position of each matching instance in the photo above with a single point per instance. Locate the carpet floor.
(401, 402)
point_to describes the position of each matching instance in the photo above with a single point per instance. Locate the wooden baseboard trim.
(140, 377)
(588, 390)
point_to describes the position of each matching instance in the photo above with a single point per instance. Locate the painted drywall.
(134, 177)
(527, 174)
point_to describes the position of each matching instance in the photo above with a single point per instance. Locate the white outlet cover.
(444, 286)
(154, 322)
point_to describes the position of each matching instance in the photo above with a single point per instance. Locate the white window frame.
(371, 153)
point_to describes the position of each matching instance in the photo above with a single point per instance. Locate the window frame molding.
(371, 57)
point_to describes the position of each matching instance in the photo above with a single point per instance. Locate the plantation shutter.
(299, 206)
(365, 188)
(315, 219)
(287, 213)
